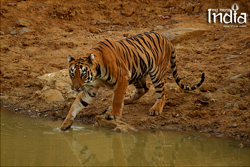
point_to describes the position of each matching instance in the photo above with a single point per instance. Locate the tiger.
(117, 64)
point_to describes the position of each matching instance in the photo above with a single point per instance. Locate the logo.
(230, 17)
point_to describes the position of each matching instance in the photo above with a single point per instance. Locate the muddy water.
(35, 141)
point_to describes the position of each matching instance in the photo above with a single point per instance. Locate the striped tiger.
(115, 65)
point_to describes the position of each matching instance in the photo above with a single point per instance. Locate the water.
(37, 141)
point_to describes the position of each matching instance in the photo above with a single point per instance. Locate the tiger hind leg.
(161, 97)
(141, 89)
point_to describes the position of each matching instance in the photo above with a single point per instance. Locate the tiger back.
(116, 64)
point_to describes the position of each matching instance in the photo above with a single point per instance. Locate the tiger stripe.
(116, 64)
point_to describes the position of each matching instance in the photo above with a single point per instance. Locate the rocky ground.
(37, 36)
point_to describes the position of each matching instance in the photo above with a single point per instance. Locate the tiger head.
(80, 71)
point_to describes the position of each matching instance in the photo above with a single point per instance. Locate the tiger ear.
(70, 58)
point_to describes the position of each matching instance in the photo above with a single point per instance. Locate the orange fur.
(115, 65)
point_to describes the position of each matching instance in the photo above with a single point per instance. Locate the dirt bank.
(47, 31)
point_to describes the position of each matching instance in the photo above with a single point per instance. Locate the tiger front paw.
(113, 115)
(66, 125)
(155, 111)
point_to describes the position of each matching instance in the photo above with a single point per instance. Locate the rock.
(93, 30)
(234, 125)
(4, 98)
(129, 9)
(235, 77)
(23, 22)
(175, 21)
(51, 78)
(116, 125)
(236, 53)
(42, 81)
(206, 87)
(158, 28)
(171, 86)
(101, 121)
(62, 11)
(219, 135)
(11, 4)
(179, 34)
(101, 21)
(196, 9)
(236, 105)
(230, 57)
(44, 89)
(242, 106)
(213, 100)
(25, 31)
(13, 32)
(227, 105)
(117, 21)
(189, 8)
(216, 38)
(38, 92)
(62, 86)
(72, 95)
(206, 97)
(59, 80)
(26, 43)
(1, 33)
(198, 51)
(41, 6)
(51, 95)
